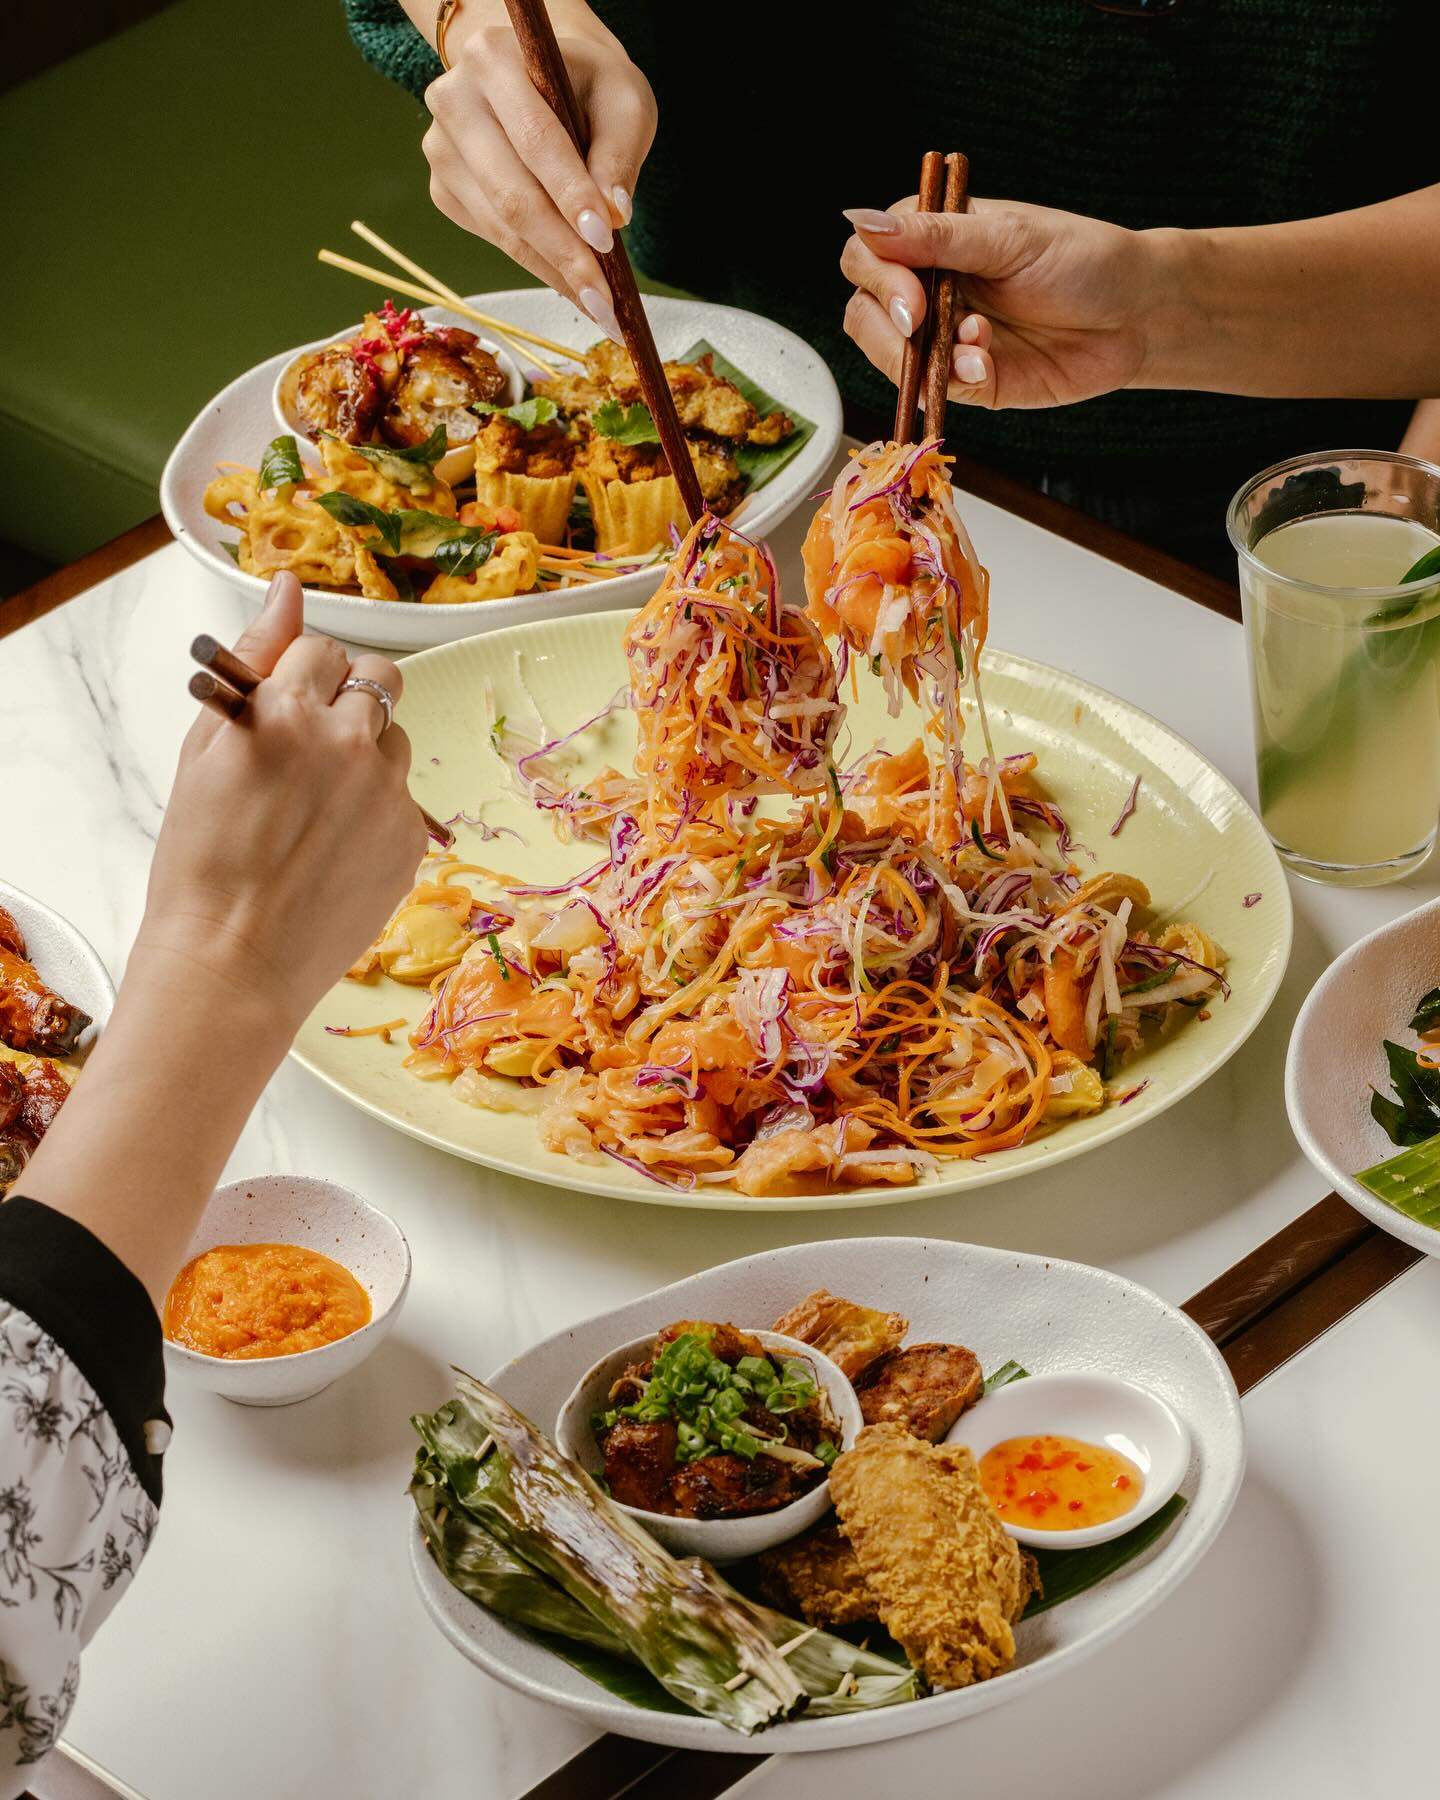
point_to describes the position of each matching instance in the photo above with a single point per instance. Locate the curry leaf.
(280, 465)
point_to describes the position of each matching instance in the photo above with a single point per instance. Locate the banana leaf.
(758, 463)
(674, 1617)
(496, 1577)
(1066, 1573)
(1410, 1182)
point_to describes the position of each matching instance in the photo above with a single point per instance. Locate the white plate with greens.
(1049, 1316)
(1371, 996)
(239, 422)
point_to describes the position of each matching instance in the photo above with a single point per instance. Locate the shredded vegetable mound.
(809, 991)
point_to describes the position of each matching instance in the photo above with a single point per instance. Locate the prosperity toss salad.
(787, 970)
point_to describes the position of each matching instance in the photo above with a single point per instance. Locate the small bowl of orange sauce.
(290, 1282)
(1075, 1459)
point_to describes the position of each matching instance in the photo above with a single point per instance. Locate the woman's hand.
(502, 165)
(291, 835)
(1053, 307)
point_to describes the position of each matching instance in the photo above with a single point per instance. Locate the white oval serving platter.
(1047, 1315)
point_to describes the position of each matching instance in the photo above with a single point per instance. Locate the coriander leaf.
(539, 409)
(626, 424)
(280, 465)
(412, 468)
(1427, 1012)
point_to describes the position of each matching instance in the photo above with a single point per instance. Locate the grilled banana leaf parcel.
(528, 1535)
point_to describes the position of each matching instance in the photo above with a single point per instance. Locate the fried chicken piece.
(11, 936)
(729, 1487)
(640, 1463)
(727, 1342)
(705, 401)
(33, 1017)
(851, 1336)
(818, 1576)
(336, 390)
(949, 1583)
(504, 447)
(445, 374)
(924, 1387)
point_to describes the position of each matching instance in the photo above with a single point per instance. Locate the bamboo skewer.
(430, 298)
(401, 261)
(546, 69)
(219, 666)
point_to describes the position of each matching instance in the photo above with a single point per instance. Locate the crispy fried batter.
(851, 1336)
(924, 1387)
(817, 1576)
(948, 1582)
(705, 401)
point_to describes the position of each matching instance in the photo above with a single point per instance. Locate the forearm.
(139, 1145)
(1347, 304)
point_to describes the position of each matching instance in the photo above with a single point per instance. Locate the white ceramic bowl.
(449, 468)
(1337, 1055)
(235, 426)
(1100, 1409)
(319, 1215)
(717, 1540)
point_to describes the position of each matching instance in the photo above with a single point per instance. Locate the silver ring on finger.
(362, 684)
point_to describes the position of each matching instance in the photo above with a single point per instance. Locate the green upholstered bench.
(166, 193)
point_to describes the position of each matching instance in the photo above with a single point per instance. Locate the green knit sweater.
(774, 115)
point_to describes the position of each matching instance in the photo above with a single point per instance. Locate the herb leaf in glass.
(1342, 621)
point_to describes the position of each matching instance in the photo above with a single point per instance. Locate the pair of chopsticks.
(944, 187)
(224, 683)
(432, 291)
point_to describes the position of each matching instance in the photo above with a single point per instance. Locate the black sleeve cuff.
(79, 1291)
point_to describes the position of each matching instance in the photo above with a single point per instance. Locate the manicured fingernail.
(621, 198)
(969, 332)
(865, 218)
(900, 317)
(602, 312)
(595, 231)
(272, 593)
(969, 365)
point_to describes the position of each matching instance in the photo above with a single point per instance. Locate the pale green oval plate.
(1192, 840)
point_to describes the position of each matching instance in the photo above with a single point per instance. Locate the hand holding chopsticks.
(226, 681)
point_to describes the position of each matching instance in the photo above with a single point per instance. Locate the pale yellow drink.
(1346, 692)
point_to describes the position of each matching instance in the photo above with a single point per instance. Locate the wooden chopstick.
(546, 69)
(942, 305)
(219, 666)
(457, 301)
(400, 286)
(912, 361)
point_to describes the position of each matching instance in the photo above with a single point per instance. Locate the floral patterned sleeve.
(82, 1431)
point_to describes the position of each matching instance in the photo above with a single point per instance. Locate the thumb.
(991, 241)
(280, 621)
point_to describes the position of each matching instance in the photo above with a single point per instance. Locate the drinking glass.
(1344, 659)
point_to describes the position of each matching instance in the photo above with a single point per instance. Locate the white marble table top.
(273, 1644)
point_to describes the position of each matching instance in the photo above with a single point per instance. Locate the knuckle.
(530, 132)
(512, 208)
